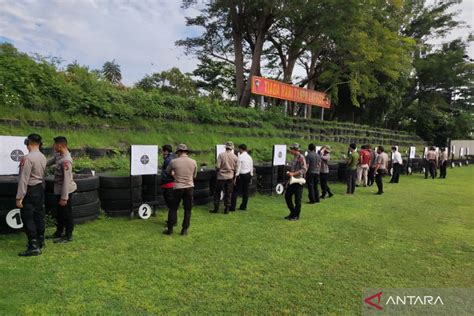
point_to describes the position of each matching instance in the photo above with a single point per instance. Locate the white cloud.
(140, 35)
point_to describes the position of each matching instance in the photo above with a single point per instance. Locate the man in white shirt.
(397, 163)
(243, 177)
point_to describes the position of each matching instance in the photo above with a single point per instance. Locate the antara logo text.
(376, 301)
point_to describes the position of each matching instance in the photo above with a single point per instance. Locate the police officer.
(324, 171)
(313, 161)
(184, 171)
(443, 163)
(226, 171)
(243, 176)
(380, 168)
(298, 170)
(30, 195)
(432, 159)
(64, 187)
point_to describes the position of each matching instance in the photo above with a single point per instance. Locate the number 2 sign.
(13, 219)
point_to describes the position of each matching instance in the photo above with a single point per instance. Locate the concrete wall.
(462, 144)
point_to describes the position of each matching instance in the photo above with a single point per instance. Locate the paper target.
(279, 189)
(412, 152)
(12, 150)
(279, 155)
(219, 150)
(145, 211)
(144, 159)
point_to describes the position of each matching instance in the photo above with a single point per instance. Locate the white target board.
(318, 148)
(412, 152)
(279, 155)
(424, 152)
(144, 160)
(467, 151)
(12, 150)
(461, 151)
(453, 149)
(219, 150)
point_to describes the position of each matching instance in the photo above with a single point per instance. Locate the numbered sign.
(13, 219)
(279, 189)
(145, 211)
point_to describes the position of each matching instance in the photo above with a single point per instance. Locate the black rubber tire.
(85, 219)
(118, 204)
(149, 179)
(202, 201)
(84, 183)
(201, 185)
(111, 182)
(8, 185)
(205, 175)
(198, 194)
(4, 228)
(148, 190)
(118, 213)
(7, 203)
(119, 194)
(86, 209)
(78, 198)
(260, 170)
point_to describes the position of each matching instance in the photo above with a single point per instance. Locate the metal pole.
(261, 102)
(322, 114)
(286, 107)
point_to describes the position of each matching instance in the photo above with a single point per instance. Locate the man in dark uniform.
(297, 170)
(324, 171)
(313, 161)
(167, 181)
(30, 195)
(64, 187)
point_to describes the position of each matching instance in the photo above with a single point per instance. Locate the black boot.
(168, 231)
(216, 209)
(57, 234)
(226, 210)
(40, 241)
(32, 250)
(184, 232)
(63, 240)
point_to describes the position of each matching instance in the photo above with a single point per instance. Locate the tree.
(172, 80)
(111, 72)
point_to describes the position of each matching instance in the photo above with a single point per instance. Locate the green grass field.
(419, 234)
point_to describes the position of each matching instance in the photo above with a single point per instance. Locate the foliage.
(111, 71)
(172, 81)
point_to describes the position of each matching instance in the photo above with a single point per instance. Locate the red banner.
(280, 90)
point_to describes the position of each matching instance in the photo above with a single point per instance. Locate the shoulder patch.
(66, 165)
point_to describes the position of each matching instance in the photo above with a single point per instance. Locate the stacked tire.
(204, 186)
(267, 178)
(84, 202)
(119, 196)
(151, 190)
(253, 183)
(8, 187)
(333, 172)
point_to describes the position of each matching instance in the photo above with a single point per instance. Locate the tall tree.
(111, 71)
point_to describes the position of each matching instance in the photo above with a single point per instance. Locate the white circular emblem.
(144, 211)
(13, 219)
(279, 188)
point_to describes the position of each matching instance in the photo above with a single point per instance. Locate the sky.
(139, 34)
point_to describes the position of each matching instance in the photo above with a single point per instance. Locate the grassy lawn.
(419, 234)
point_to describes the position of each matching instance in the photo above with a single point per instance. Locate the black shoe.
(214, 211)
(322, 197)
(167, 232)
(56, 235)
(379, 193)
(330, 194)
(63, 240)
(242, 208)
(287, 217)
(184, 232)
(41, 242)
(295, 218)
(32, 250)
